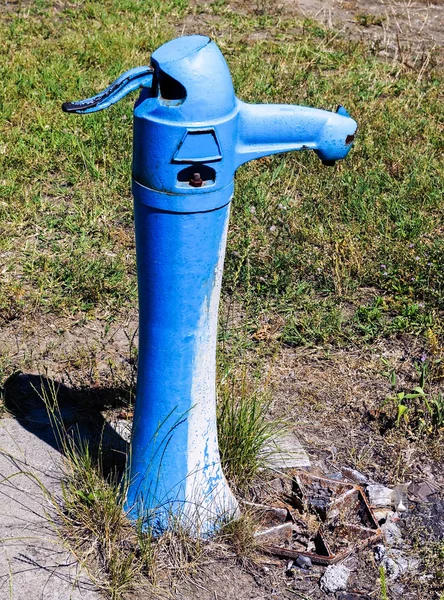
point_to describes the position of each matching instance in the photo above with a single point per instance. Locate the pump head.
(191, 133)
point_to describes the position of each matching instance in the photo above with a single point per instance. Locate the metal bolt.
(196, 180)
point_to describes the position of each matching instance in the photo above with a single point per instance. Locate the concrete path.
(33, 562)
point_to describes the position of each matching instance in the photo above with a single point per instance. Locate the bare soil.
(408, 31)
(401, 27)
(328, 396)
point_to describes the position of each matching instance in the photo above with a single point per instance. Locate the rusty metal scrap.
(323, 519)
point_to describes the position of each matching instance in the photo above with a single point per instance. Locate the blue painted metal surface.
(191, 133)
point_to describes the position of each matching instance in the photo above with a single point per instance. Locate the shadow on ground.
(54, 412)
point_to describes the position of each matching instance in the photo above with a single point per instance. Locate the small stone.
(379, 495)
(336, 476)
(405, 563)
(383, 514)
(391, 568)
(285, 452)
(123, 428)
(354, 475)
(335, 579)
(303, 562)
(380, 552)
(395, 563)
(392, 533)
(423, 490)
(311, 546)
(279, 485)
(398, 590)
(400, 560)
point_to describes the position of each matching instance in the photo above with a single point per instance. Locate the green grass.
(340, 256)
(93, 522)
(383, 583)
(244, 427)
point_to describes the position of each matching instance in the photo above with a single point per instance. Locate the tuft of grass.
(239, 534)
(121, 556)
(94, 521)
(91, 518)
(244, 428)
(367, 19)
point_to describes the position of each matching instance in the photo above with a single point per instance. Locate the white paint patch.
(208, 495)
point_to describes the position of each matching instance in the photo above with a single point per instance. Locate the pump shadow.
(32, 399)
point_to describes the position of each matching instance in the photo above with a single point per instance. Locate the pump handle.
(126, 83)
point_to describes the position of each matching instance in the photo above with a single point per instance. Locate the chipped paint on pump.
(191, 133)
(206, 486)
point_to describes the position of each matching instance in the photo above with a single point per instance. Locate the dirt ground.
(406, 30)
(399, 26)
(328, 397)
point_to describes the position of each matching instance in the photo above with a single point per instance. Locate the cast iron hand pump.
(191, 133)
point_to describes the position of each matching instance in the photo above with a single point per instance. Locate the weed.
(433, 420)
(383, 583)
(418, 409)
(390, 374)
(402, 410)
(367, 19)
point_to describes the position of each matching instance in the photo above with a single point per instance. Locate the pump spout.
(265, 129)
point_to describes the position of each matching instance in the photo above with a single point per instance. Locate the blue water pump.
(191, 133)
